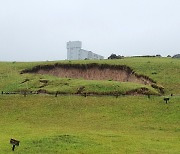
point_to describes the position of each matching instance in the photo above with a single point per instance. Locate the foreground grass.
(75, 124)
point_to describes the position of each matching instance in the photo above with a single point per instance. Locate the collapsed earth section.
(94, 71)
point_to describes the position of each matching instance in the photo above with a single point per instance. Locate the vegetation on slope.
(104, 124)
(75, 124)
(164, 71)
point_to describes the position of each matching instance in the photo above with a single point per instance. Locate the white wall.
(74, 52)
(73, 48)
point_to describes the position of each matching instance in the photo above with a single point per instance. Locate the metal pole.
(13, 147)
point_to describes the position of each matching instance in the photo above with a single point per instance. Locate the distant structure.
(74, 52)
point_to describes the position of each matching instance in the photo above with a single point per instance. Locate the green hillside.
(71, 124)
(165, 71)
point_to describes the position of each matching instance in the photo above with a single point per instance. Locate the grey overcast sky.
(37, 30)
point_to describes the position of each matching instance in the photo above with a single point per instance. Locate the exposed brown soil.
(141, 91)
(94, 71)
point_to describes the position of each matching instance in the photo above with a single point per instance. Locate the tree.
(158, 55)
(114, 56)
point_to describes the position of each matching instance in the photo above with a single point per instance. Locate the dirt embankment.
(94, 71)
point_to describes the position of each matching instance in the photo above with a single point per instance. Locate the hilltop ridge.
(123, 76)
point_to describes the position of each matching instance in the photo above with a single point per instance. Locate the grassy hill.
(93, 124)
(165, 71)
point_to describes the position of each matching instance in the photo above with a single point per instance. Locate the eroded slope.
(95, 71)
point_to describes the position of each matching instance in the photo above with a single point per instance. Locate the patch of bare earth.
(94, 72)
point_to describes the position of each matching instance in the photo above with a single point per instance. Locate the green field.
(94, 124)
(75, 124)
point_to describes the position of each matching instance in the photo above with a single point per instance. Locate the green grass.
(75, 124)
(165, 71)
(105, 124)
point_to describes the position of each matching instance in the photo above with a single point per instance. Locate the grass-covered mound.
(163, 71)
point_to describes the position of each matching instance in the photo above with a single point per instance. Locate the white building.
(74, 52)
